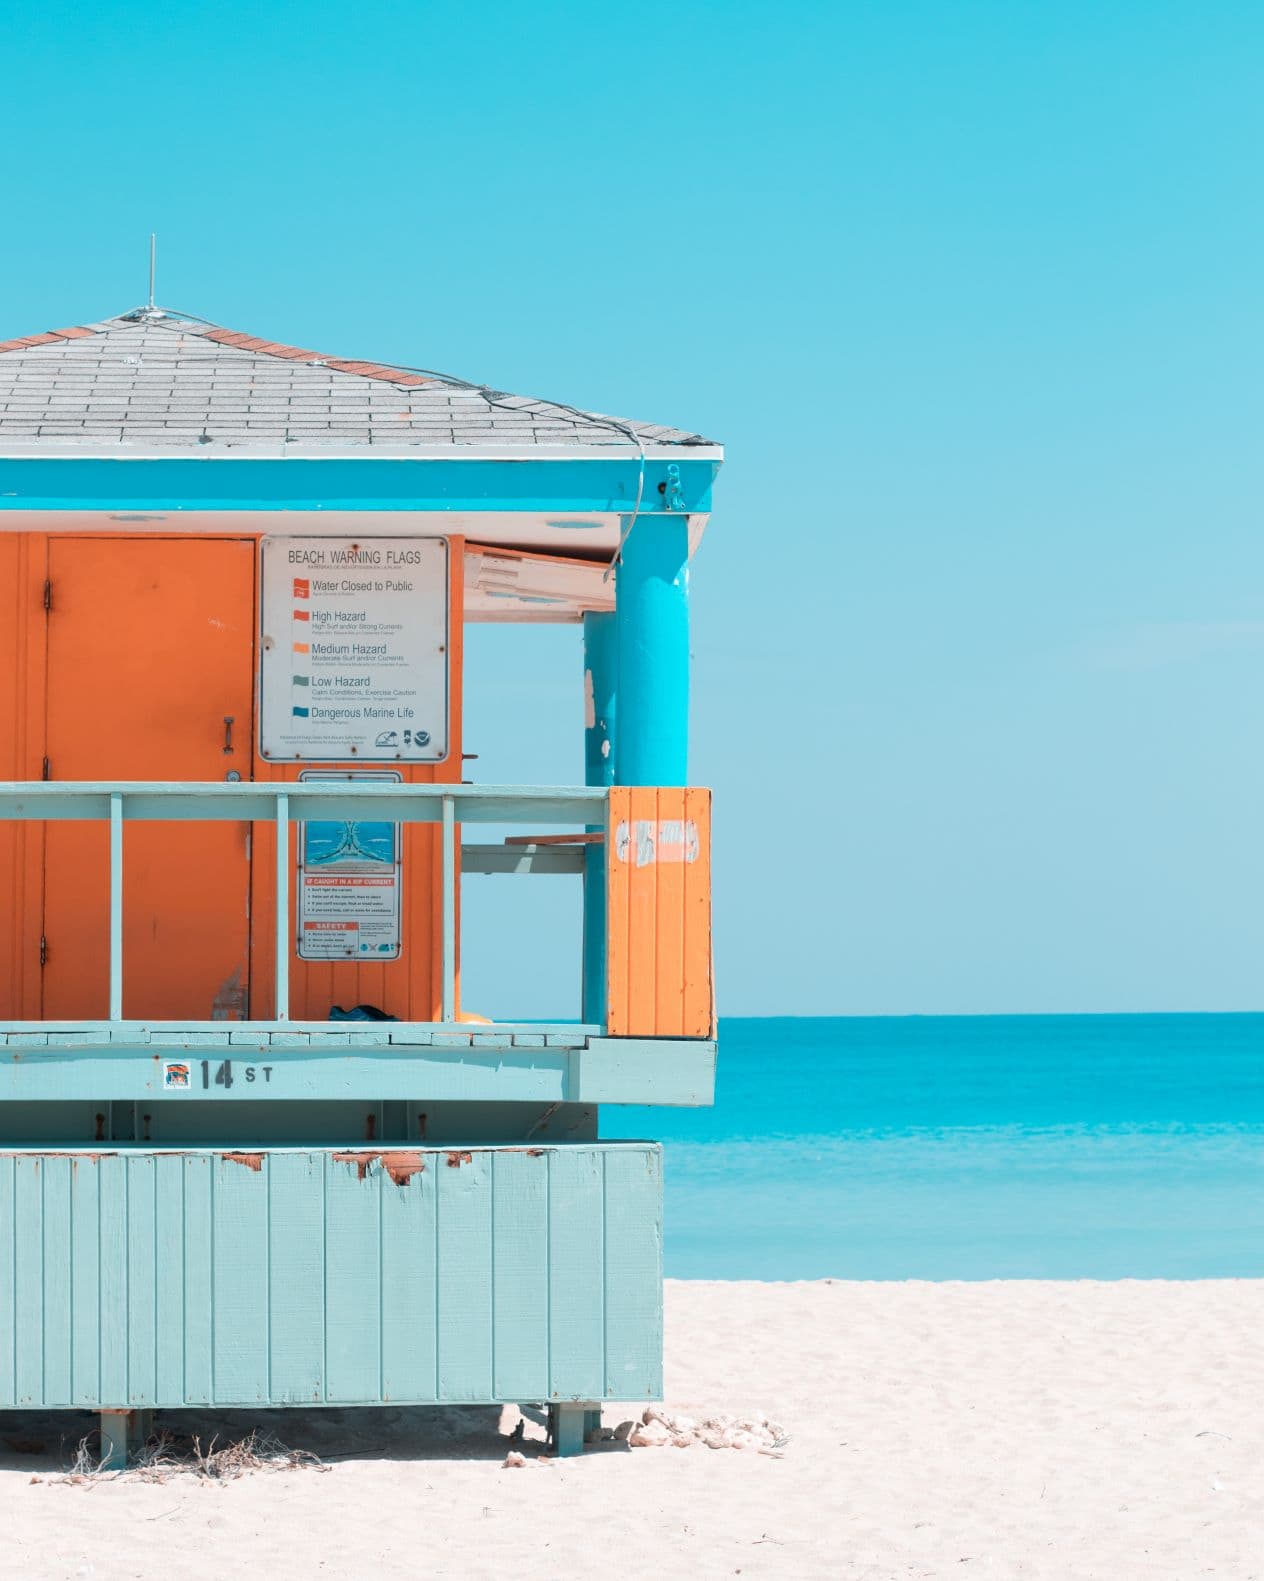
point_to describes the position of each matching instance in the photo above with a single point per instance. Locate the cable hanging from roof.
(170, 318)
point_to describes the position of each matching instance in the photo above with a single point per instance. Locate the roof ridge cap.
(49, 337)
(240, 340)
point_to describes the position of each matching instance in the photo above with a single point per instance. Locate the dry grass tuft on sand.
(167, 1455)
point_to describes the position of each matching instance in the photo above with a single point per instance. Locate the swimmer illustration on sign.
(337, 841)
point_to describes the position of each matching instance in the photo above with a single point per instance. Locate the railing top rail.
(221, 801)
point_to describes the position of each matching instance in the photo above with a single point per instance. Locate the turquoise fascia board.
(676, 1072)
(348, 484)
(671, 1072)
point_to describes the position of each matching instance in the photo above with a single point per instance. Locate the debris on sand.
(166, 1456)
(658, 1428)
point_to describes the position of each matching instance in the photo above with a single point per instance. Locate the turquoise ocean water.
(960, 1147)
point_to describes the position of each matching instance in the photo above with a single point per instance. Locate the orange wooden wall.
(658, 897)
(409, 987)
(22, 559)
(150, 648)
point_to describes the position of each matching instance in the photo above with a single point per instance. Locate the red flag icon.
(302, 587)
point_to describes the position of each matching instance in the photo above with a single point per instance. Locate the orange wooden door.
(150, 650)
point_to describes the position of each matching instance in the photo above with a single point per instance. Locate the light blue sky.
(972, 294)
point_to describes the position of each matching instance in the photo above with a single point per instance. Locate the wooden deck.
(375, 1060)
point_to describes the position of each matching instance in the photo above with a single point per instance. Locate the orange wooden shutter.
(658, 889)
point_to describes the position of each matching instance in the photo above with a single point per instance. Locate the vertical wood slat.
(199, 1283)
(58, 1348)
(699, 958)
(409, 1290)
(353, 1280)
(85, 1278)
(8, 1288)
(618, 887)
(112, 1263)
(577, 1347)
(464, 1256)
(28, 1258)
(642, 908)
(240, 1278)
(669, 913)
(520, 1295)
(296, 1256)
(169, 1279)
(658, 878)
(142, 1338)
(634, 1273)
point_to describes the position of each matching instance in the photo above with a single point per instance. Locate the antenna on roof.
(139, 315)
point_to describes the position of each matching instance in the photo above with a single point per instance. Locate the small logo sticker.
(175, 1074)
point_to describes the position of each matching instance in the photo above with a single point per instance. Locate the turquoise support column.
(123, 1435)
(601, 676)
(566, 1429)
(652, 615)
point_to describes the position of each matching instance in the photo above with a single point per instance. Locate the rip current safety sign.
(350, 876)
(354, 650)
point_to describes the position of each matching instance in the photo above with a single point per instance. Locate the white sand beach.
(1071, 1431)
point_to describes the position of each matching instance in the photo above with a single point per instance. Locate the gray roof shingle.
(161, 381)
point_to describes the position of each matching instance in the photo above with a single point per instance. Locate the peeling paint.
(455, 1160)
(230, 998)
(647, 841)
(249, 1160)
(400, 1166)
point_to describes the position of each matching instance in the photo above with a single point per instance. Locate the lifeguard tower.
(235, 578)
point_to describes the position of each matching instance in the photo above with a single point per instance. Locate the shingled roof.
(156, 381)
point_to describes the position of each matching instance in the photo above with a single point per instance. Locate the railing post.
(282, 906)
(116, 906)
(448, 883)
(601, 685)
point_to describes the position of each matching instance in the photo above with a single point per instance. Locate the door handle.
(228, 732)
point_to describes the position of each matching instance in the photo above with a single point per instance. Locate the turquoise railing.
(287, 802)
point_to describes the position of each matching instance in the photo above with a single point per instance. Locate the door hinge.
(48, 597)
(45, 770)
(43, 950)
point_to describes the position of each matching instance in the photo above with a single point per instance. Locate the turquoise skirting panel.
(288, 1276)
